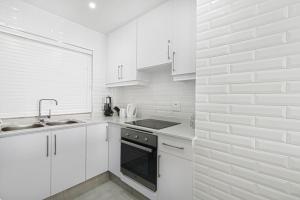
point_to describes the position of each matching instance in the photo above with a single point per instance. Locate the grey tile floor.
(107, 191)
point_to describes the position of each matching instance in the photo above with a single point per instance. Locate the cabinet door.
(176, 176)
(114, 57)
(184, 36)
(128, 52)
(68, 158)
(114, 150)
(154, 37)
(97, 150)
(122, 54)
(25, 167)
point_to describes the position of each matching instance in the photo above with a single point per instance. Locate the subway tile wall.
(247, 100)
(156, 98)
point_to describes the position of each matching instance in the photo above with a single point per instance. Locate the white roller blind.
(31, 70)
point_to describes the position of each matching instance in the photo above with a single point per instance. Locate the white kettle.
(131, 110)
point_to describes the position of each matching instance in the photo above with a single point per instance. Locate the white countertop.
(183, 130)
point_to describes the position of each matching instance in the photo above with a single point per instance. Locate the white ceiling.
(108, 15)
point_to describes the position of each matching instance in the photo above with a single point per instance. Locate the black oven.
(139, 156)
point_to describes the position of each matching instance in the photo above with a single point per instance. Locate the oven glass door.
(140, 163)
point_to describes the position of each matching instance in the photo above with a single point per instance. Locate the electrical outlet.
(176, 106)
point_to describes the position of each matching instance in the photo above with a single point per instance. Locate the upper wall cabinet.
(154, 36)
(184, 39)
(122, 57)
(165, 36)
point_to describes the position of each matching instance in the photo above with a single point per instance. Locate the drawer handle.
(158, 166)
(47, 140)
(169, 41)
(168, 145)
(55, 145)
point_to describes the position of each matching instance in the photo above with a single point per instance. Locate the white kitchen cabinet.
(174, 168)
(114, 150)
(25, 167)
(175, 181)
(122, 57)
(165, 36)
(184, 39)
(114, 58)
(68, 158)
(154, 37)
(97, 150)
(128, 52)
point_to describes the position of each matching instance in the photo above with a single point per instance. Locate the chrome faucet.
(41, 118)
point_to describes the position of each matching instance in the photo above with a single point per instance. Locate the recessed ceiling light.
(92, 5)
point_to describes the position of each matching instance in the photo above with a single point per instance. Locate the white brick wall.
(156, 98)
(247, 100)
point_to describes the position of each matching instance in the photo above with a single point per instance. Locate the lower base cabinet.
(68, 158)
(25, 167)
(114, 143)
(96, 150)
(175, 178)
(37, 165)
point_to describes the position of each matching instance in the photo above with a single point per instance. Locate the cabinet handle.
(106, 139)
(119, 72)
(169, 41)
(173, 62)
(158, 165)
(54, 144)
(47, 144)
(168, 145)
(121, 67)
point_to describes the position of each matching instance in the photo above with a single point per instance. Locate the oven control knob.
(136, 137)
(146, 139)
(127, 134)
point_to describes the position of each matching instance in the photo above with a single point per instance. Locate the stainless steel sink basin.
(21, 127)
(61, 123)
(37, 125)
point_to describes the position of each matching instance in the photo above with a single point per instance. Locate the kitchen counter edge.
(171, 131)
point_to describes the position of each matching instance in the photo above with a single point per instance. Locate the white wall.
(28, 19)
(248, 100)
(156, 98)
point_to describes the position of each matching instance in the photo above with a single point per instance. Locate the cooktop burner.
(153, 123)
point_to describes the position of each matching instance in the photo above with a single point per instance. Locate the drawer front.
(175, 146)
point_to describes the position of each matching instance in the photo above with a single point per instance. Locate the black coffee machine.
(107, 107)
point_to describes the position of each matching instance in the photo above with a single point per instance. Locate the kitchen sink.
(21, 127)
(37, 125)
(57, 123)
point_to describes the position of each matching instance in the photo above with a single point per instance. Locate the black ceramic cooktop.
(153, 123)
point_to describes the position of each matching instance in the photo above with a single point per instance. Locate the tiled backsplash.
(248, 102)
(157, 97)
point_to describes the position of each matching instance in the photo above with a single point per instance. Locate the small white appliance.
(131, 110)
(122, 113)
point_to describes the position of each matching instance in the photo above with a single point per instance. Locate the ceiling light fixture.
(92, 5)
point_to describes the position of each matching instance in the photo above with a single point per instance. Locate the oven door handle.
(137, 146)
